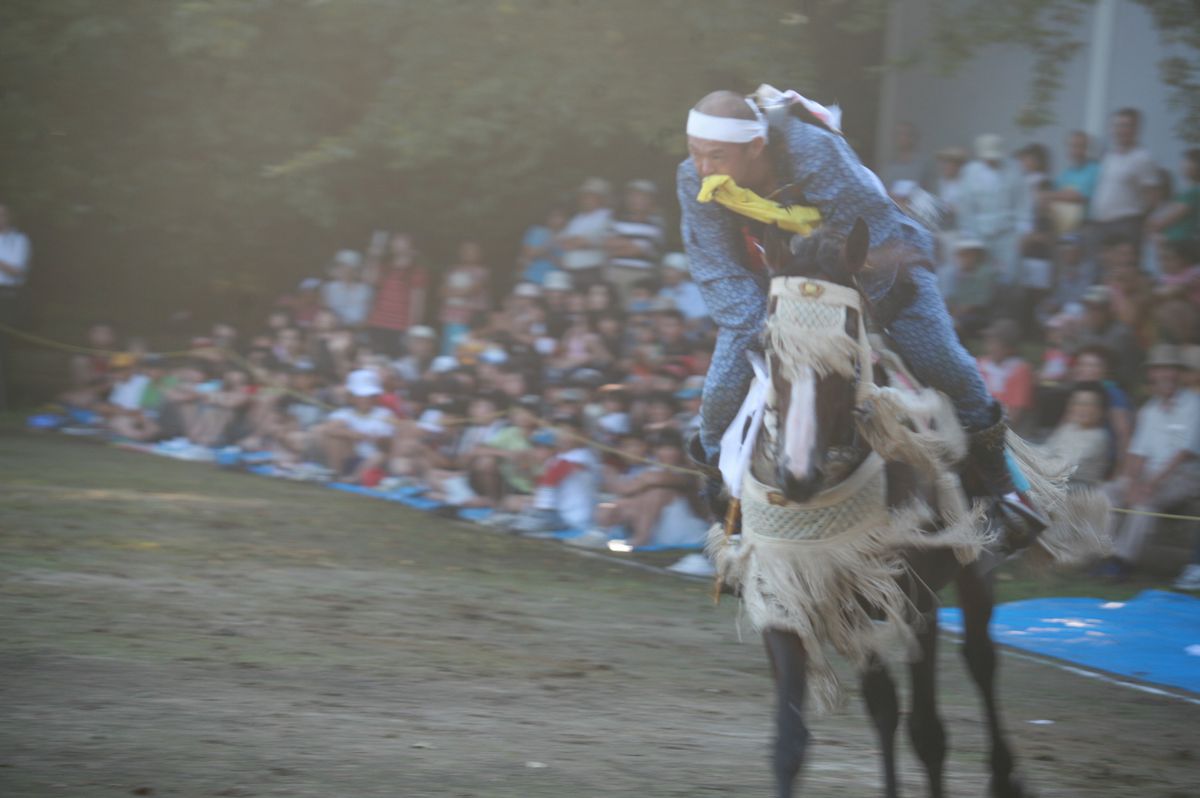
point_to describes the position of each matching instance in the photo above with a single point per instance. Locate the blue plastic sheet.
(1154, 637)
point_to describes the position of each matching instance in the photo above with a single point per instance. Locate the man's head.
(640, 197)
(1164, 367)
(906, 137)
(670, 326)
(1091, 364)
(593, 195)
(1078, 146)
(721, 139)
(1118, 255)
(1126, 124)
(401, 248)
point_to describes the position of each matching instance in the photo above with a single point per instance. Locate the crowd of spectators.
(557, 392)
(1082, 291)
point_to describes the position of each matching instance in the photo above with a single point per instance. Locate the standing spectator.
(14, 268)
(464, 295)
(973, 288)
(1178, 221)
(636, 240)
(400, 286)
(540, 252)
(906, 163)
(948, 189)
(995, 205)
(1163, 468)
(1075, 185)
(1126, 171)
(1102, 328)
(684, 294)
(1008, 376)
(582, 239)
(346, 294)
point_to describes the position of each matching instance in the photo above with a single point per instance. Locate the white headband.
(725, 128)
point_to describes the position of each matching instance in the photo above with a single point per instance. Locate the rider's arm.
(735, 299)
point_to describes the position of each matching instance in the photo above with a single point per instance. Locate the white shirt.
(992, 202)
(1123, 176)
(351, 302)
(377, 423)
(687, 299)
(127, 394)
(1162, 432)
(14, 251)
(594, 226)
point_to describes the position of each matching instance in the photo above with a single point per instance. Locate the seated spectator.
(90, 380)
(1100, 328)
(502, 465)
(681, 291)
(652, 495)
(1008, 377)
(540, 252)
(635, 240)
(217, 414)
(1081, 438)
(614, 421)
(1092, 364)
(464, 294)
(289, 348)
(973, 287)
(566, 491)
(1073, 275)
(347, 295)
(1128, 287)
(122, 409)
(355, 438)
(582, 239)
(420, 348)
(1163, 467)
(659, 413)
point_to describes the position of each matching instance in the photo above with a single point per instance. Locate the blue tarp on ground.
(1154, 637)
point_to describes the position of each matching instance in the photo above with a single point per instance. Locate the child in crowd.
(1007, 376)
(355, 438)
(1081, 438)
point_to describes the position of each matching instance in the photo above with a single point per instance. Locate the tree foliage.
(216, 145)
(1049, 30)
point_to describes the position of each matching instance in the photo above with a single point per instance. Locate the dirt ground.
(172, 630)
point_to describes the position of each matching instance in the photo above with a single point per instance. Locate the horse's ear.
(857, 244)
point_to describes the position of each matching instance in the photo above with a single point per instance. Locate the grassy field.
(170, 629)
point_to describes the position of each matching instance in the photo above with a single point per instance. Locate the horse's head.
(816, 354)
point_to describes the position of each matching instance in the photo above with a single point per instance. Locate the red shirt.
(394, 296)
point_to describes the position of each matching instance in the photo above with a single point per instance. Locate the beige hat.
(1191, 357)
(644, 186)
(989, 147)
(953, 154)
(557, 281)
(596, 185)
(969, 242)
(675, 260)
(1165, 355)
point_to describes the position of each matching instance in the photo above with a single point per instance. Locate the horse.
(811, 444)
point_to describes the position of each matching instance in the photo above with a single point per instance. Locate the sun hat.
(1165, 355)
(421, 331)
(348, 257)
(557, 281)
(363, 382)
(527, 290)
(675, 260)
(989, 147)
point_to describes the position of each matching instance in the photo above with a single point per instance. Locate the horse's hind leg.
(925, 727)
(790, 663)
(975, 594)
(879, 692)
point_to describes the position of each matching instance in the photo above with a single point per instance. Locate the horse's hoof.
(1010, 787)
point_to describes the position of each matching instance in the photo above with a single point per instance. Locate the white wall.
(986, 94)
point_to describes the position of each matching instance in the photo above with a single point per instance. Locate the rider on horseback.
(795, 143)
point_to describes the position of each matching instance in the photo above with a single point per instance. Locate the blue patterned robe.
(833, 180)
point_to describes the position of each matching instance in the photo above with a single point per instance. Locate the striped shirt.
(647, 235)
(394, 297)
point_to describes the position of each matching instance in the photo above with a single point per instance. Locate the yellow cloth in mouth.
(795, 218)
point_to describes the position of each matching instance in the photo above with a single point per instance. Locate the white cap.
(557, 281)
(527, 290)
(364, 382)
(421, 331)
(494, 355)
(969, 242)
(443, 363)
(675, 260)
(348, 257)
(989, 147)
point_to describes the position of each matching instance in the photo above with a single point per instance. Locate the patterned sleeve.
(735, 299)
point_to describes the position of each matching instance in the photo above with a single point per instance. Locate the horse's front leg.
(790, 664)
(925, 727)
(879, 692)
(975, 595)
